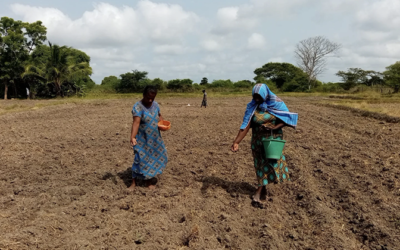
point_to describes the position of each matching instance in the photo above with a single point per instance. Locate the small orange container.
(164, 125)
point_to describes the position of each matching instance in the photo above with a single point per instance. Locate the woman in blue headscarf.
(266, 114)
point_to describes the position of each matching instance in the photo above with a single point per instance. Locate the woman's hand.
(241, 134)
(135, 129)
(268, 127)
(133, 141)
(235, 147)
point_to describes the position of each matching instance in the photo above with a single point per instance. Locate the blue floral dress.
(267, 170)
(150, 152)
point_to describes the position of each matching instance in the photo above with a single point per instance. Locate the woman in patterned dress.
(266, 114)
(148, 145)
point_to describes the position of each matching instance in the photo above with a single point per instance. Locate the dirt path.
(64, 171)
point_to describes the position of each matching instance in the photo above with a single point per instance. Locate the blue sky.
(215, 39)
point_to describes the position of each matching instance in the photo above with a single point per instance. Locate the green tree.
(298, 84)
(183, 85)
(40, 55)
(352, 77)
(34, 76)
(134, 81)
(35, 33)
(12, 52)
(17, 40)
(67, 69)
(204, 81)
(111, 81)
(221, 84)
(197, 87)
(374, 78)
(280, 73)
(159, 83)
(243, 84)
(392, 76)
(357, 76)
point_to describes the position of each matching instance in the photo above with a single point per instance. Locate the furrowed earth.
(64, 171)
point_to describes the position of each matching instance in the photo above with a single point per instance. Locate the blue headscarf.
(273, 104)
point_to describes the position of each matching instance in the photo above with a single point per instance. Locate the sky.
(217, 39)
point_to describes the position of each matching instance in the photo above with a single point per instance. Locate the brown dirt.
(64, 171)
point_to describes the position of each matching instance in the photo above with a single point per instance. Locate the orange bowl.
(164, 125)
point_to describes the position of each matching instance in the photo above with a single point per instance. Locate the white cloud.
(256, 41)
(166, 22)
(227, 15)
(171, 42)
(229, 21)
(247, 16)
(341, 6)
(169, 49)
(108, 25)
(376, 24)
(211, 45)
(383, 15)
(276, 59)
(46, 15)
(116, 37)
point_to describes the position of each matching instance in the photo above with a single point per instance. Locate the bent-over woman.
(266, 114)
(150, 152)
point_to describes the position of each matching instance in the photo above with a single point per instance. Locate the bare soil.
(64, 171)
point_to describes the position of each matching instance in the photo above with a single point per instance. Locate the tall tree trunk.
(58, 88)
(5, 90)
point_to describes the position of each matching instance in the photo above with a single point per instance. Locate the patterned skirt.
(268, 170)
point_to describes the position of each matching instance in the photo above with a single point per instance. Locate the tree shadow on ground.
(231, 187)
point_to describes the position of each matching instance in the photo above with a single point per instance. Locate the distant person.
(204, 102)
(148, 145)
(266, 114)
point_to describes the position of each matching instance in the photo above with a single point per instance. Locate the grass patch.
(368, 104)
(14, 106)
(390, 109)
(11, 107)
(376, 115)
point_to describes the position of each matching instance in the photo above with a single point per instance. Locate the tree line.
(50, 70)
(28, 65)
(311, 55)
(355, 77)
(136, 81)
(282, 77)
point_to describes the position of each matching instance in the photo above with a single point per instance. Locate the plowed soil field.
(64, 171)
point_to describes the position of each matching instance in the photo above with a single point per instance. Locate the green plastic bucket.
(273, 148)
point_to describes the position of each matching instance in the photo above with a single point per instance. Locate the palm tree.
(59, 68)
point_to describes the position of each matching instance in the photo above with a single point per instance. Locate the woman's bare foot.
(256, 196)
(133, 185)
(150, 184)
